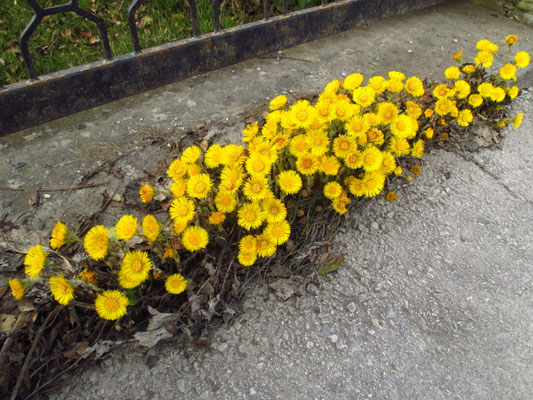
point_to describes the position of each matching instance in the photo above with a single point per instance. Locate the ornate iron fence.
(55, 95)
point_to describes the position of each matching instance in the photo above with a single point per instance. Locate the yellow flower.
(307, 164)
(357, 126)
(396, 75)
(399, 146)
(213, 155)
(372, 158)
(513, 92)
(175, 284)
(429, 132)
(59, 235)
(34, 261)
(415, 169)
(395, 86)
(398, 170)
(428, 113)
(414, 86)
(177, 169)
(88, 276)
(332, 190)
(329, 165)
(356, 187)
(324, 110)
(332, 86)
(387, 112)
(339, 204)
(465, 117)
(232, 154)
(247, 244)
(418, 149)
(318, 142)
(442, 91)
(217, 218)
(225, 201)
(443, 106)
(364, 96)
(151, 227)
(522, 59)
(277, 102)
(247, 258)
(518, 120)
(412, 109)
(198, 186)
(475, 100)
(352, 81)
(511, 39)
(146, 193)
(126, 227)
(376, 136)
(250, 215)
(388, 164)
(195, 238)
(487, 45)
(458, 56)
(469, 69)
(354, 160)
(61, 289)
(17, 288)
(134, 269)
(231, 178)
(452, 73)
(111, 304)
(344, 145)
(178, 187)
(302, 113)
(257, 164)
(508, 72)
(278, 232)
(342, 110)
(248, 134)
(265, 246)
(498, 94)
(182, 209)
(179, 226)
(373, 183)
(289, 181)
(274, 118)
(191, 154)
(402, 126)
(168, 252)
(391, 196)
(462, 89)
(484, 58)
(265, 148)
(378, 84)
(275, 210)
(256, 188)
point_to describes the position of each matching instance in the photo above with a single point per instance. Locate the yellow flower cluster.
(344, 146)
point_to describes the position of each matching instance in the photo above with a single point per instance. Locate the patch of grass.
(66, 40)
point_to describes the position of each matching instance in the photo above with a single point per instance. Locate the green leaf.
(132, 297)
(116, 197)
(332, 264)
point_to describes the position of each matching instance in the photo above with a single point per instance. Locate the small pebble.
(46, 196)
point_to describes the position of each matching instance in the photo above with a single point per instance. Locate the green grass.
(67, 40)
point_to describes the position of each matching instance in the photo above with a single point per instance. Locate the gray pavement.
(434, 298)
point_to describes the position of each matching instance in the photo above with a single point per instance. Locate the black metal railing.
(58, 94)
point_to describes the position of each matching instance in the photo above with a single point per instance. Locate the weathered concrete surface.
(434, 298)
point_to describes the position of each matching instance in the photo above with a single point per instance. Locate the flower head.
(518, 120)
(59, 235)
(88, 276)
(247, 258)
(484, 58)
(194, 238)
(352, 81)
(134, 268)
(372, 158)
(511, 39)
(34, 261)
(213, 155)
(225, 201)
(61, 289)
(17, 288)
(198, 186)
(278, 102)
(414, 86)
(146, 193)
(508, 72)
(278, 232)
(217, 218)
(175, 284)
(391, 196)
(522, 59)
(126, 227)
(452, 73)
(251, 215)
(289, 181)
(111, 304)
(332, 190)
(182, 209)
(191, 154)
(151, 227)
